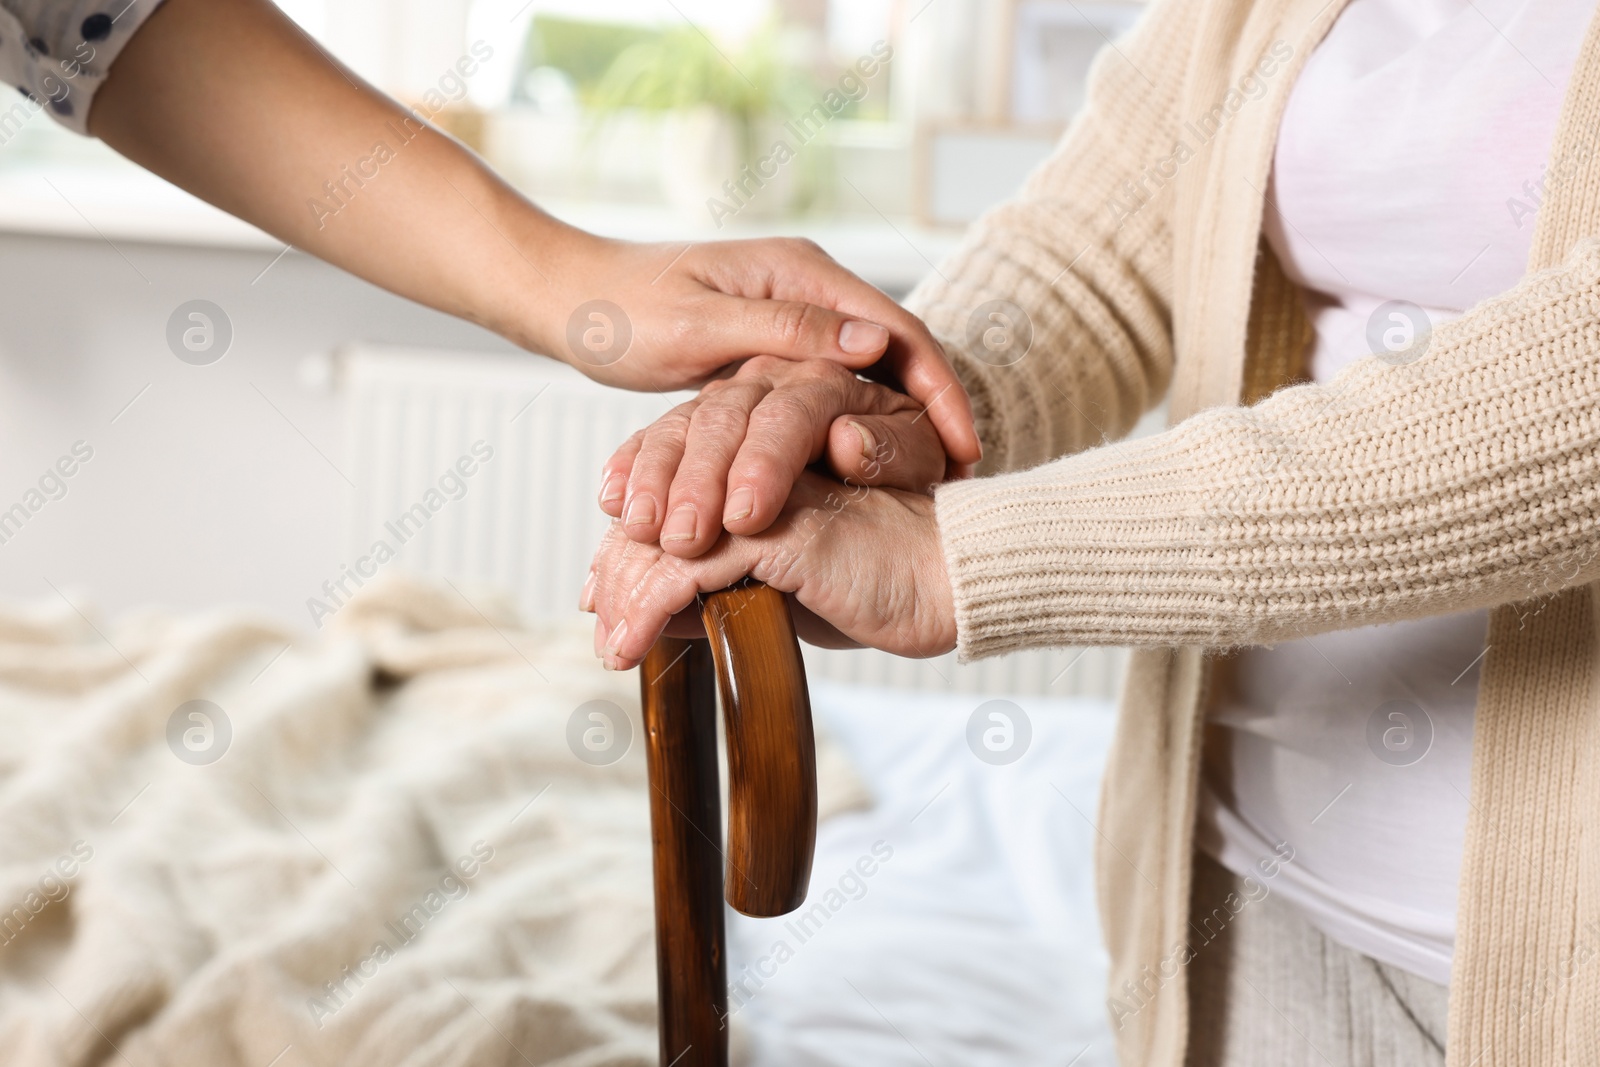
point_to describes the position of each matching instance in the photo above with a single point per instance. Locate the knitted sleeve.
(1075, 272)
(1466, 478)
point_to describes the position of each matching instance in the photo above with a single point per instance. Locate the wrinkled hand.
(867, 563)
(728, 458)
(693, 310)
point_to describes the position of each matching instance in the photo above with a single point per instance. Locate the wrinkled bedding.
(374, 846)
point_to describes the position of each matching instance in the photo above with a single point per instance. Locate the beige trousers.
(1270, 990)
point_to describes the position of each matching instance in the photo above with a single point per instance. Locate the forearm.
(1468, 479)
(231, 101)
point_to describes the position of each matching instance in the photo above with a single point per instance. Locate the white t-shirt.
(57, 52)
(1408, 168)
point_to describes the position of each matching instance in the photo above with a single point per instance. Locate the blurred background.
(323, 409)
(252, 479)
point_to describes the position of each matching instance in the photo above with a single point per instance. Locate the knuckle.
(794, 321)
(665, 436)
(719, 423)
(606, 554)
(822, 372)
(794, 408)
(805, 246)
(761, 466)
(763, 366)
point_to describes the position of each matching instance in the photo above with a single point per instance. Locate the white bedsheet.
(228, 913)
(976, 943)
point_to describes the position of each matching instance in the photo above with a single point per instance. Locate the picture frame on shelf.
(1041, 71)
(1032, 76)
(961, 169)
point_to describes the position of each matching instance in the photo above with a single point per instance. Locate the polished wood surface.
(772, 760)
(772, 802)
(680, 728)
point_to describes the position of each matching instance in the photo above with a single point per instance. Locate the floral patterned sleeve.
(57, 52)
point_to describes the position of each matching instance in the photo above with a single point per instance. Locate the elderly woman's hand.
(867, 563)
(729, 457)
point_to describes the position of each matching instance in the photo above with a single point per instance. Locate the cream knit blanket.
(398, 860)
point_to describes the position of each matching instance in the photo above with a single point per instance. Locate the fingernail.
(616, 638)
(869, 447)
(740, 503)
(586, 598)
(680, 525)
(611, 492)
(641, 512)
(862, 338)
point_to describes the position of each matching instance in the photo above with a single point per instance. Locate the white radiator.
(527, 519)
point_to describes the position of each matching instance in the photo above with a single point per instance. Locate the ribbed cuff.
(1104, 548)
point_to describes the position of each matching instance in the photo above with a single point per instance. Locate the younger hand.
(866, 562)
(728, 458)
(694, 310)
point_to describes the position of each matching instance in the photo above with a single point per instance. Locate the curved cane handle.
(772, 757)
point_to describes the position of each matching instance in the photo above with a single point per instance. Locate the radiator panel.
(527, 520)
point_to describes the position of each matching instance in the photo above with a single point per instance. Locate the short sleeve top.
(57, 52)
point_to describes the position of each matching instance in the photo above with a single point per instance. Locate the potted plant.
(723, 114)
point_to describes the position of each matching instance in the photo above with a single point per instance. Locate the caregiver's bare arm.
(233, 102)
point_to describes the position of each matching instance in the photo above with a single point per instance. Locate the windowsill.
(116, 201)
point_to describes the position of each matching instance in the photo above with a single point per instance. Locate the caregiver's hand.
(866, 562)
(729, 457)
(231, 101)
(695, 309)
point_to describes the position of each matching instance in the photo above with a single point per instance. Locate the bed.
(399, 842)
(976, 942)
(395, 858)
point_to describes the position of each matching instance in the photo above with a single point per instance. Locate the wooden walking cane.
(772, 802)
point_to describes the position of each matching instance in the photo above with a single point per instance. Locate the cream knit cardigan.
(1466, 478)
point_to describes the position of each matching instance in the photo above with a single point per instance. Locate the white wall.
(200, 493)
